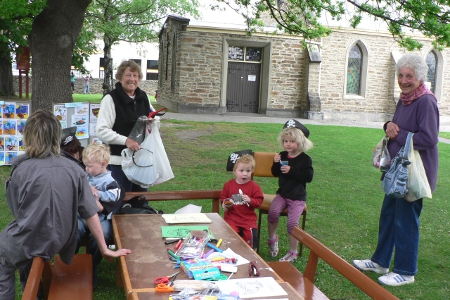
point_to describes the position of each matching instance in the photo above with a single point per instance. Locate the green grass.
(343, 205)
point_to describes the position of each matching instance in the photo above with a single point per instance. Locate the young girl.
(247, 196)
(294, 169)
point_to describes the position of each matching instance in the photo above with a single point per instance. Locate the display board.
(14, 115)
(83, 115)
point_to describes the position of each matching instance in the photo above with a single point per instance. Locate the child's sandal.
(273, 246)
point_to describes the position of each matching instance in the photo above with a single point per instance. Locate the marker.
(218, 243)
(172, 241)
(214, 247)
(173, 254)
(178, 245)
(208, 253)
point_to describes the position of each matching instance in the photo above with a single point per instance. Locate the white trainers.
(394, 279)
(368, 265)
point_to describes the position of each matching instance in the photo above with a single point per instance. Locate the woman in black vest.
(119, 111)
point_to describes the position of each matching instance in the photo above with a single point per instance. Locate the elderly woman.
(119, 111)
(53, 190)
(416, 112)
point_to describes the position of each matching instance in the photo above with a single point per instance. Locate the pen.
(214, 247)
(218, 243)
(173, 254)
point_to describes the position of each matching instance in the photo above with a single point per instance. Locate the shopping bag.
(150, 165)
(395, 179)
(381, 159)
(418, 185)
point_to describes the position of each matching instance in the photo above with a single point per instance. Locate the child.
(107, 193)
(294, 169)
(246, 196)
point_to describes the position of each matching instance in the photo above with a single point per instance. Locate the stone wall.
(95, 85)
(291, 85)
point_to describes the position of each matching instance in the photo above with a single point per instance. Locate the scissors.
(166, 280)
(163, 288)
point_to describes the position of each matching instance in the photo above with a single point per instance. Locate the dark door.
(243, 87)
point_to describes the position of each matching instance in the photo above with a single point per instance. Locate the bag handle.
(407, 146)
(134, 152)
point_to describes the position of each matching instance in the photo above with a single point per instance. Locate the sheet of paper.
(229, 254)
(252, 287)
(186, 218)
(189, 209)
(181, 231)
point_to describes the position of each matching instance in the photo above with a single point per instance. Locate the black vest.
(127, 112)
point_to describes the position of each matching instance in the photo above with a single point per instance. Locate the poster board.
(83, 115)
(13, 117)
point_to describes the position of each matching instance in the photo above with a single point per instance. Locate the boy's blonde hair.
(245, 159)
(303, 143)
(97, 152)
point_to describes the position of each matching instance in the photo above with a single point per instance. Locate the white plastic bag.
(418, 186)
(150, 165)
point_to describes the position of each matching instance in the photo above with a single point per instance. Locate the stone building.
(347, 75)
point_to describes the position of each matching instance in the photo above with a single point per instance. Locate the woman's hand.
(132, 144)
(392, 130)
(109, 254)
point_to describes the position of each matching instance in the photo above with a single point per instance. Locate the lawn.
(343, 204)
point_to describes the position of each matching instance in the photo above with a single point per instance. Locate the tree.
(131, 21)
(303, 17)
(15, 25)
(52, 40)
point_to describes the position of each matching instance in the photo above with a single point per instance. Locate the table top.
(149, 258)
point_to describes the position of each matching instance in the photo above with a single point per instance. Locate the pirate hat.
(68, 135)
(296, 124)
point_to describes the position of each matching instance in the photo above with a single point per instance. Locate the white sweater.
(105, 122)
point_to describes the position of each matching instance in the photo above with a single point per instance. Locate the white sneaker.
(394, 279)
(368, 265)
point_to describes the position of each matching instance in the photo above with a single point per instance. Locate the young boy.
(107, 193)
(240, 197)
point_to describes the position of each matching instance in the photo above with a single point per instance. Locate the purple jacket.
(422, 118)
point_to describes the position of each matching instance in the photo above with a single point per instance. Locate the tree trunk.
(6, 76)
(52, 39)
(108, 81)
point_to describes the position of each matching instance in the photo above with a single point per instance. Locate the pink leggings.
(295, 209)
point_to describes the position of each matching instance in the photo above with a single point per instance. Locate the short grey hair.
(415, 62)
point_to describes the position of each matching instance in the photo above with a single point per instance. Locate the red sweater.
(242, 215)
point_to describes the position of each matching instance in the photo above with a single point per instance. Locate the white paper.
(186, 218)
(252, 287)
(229, 254)
(189, 209)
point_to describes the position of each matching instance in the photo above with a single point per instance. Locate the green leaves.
(304, 17)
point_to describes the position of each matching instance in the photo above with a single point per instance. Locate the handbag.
(418, 185)
(395, 179)
(381, 159)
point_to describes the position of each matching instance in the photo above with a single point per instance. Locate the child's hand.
(246, 198)
(285, 169)
(277, 157)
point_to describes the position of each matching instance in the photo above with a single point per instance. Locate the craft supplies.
(214, 247)
(200, 269)
(218, 243)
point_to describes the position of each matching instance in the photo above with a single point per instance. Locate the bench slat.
(74, 281)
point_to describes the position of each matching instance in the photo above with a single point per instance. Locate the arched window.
(354, 70)
(432, 67)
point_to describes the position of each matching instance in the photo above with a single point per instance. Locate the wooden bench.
(304, 283)
(213, 195)
(61, 281)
